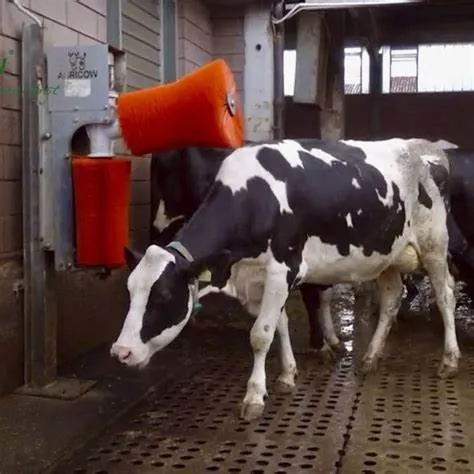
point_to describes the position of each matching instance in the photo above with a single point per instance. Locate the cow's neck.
(210, 232)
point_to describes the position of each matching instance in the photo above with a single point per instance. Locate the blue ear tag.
(196, 307)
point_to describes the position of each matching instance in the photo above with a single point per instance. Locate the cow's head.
(161, 303)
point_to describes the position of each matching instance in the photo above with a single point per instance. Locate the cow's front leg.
(261, 337)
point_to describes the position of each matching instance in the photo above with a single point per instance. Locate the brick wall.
(141, 42)
(90, 311)
(10, 135)
(205, 34)
(194, 46)
(66, 22)
(11, 340)
(228, 41)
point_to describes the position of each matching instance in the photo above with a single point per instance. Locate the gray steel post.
(40, 324)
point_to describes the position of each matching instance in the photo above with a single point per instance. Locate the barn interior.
(401, 418)
(392, 84)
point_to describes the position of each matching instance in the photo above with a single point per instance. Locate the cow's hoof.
(284, 387)
(339, 348)
(251, 411)
(331, 353)
(448, 368)
(369, 366)
(314, 351)
(325, 354)
(328, 354)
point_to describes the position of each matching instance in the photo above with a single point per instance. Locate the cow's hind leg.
(332, 344)
(323, 339)
(443, 284)
(286, 380)
(391, 293)
(262, 333)
(311, 296)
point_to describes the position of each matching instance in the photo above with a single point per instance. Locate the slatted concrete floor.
(401, 419)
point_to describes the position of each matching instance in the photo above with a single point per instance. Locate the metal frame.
(169, 39)
(66, 115)
(311, 5)
(40, 317)
(40, 363)
(279, 73)
(114, 24)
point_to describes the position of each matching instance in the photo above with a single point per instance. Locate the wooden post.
(375, 90)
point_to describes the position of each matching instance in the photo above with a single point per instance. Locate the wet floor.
(400, 419)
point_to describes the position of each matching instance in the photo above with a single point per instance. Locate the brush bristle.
(192, 111)
(102, 200)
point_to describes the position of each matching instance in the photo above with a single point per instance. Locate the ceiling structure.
(430, 21)
(415, 22)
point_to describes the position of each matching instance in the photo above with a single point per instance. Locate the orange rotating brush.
(200, 109)
(102, 199)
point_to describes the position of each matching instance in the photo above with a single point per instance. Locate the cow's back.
(350, 206)
(180, 180)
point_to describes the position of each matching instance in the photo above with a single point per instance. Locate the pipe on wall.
(310, 5)
(103, 135)
(27, 12)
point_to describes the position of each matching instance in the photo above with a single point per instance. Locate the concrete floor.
(37, 432)
(180, 415)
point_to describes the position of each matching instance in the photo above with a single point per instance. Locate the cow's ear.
(218, 263)
(132, 257)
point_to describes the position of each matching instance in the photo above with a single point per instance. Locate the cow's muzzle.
(122, 353)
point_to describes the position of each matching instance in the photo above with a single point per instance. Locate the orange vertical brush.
(117, 184)
(101, 197)
(200, 109)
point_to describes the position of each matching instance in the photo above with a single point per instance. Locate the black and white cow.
(309, 211)
(180, 180)
(461, 216)
(461, 223)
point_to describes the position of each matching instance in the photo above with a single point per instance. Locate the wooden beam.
(417, 32)
(365, 25)
(438, 32)
(375, 91)
(332, 115)
(374, 28)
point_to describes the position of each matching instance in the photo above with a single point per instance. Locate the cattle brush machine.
(86, 198)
